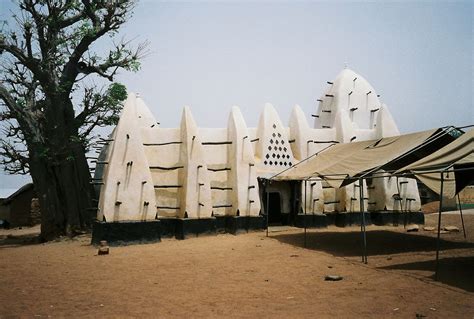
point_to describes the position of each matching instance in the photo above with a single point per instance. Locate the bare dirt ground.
(244, 276)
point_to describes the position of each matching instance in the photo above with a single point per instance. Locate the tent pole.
(268, 202)
(439, 225)
(462, 219)
(304, 209)
(362, 225)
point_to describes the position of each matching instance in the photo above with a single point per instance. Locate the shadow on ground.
(379, 242)
(453, 271)
(8, 241)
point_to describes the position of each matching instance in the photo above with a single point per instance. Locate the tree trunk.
(65, 194)
(61, 177)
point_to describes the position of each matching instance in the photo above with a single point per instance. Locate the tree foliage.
(48, 56)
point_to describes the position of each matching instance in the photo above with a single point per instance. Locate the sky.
(212, 55)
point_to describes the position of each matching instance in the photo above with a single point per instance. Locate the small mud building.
(20, 208)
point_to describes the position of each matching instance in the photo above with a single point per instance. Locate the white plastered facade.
(190, 172)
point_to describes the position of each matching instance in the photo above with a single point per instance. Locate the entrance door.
(274, 208)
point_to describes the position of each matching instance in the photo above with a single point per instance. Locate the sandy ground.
(246, 276)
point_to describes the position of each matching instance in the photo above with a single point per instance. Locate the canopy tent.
(454, 160)
(420, 153)
(341, 164)
(447, 171)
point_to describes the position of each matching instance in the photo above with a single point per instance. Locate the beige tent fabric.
(458, 152)
(433, 181)
(375, 155)
(348, 160)
(315, 164)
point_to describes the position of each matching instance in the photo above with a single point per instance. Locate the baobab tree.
(50, 107)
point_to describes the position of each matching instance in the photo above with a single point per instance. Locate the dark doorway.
(282, 199)
(274, 208)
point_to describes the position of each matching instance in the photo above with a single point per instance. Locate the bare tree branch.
(30, 63)
(40, 65)
(112, 20)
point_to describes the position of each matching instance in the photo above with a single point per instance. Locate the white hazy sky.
(212, 55)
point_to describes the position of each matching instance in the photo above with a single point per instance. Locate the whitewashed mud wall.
(193, 172)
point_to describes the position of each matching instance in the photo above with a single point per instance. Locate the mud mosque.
(153, 173)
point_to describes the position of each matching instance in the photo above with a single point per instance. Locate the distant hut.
(21, 208)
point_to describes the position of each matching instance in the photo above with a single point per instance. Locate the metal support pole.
(462, 219)
(439, 225)
(362, 226)
(268, 202)
(304, 209)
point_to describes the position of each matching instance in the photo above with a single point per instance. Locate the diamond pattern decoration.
(279, 154)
